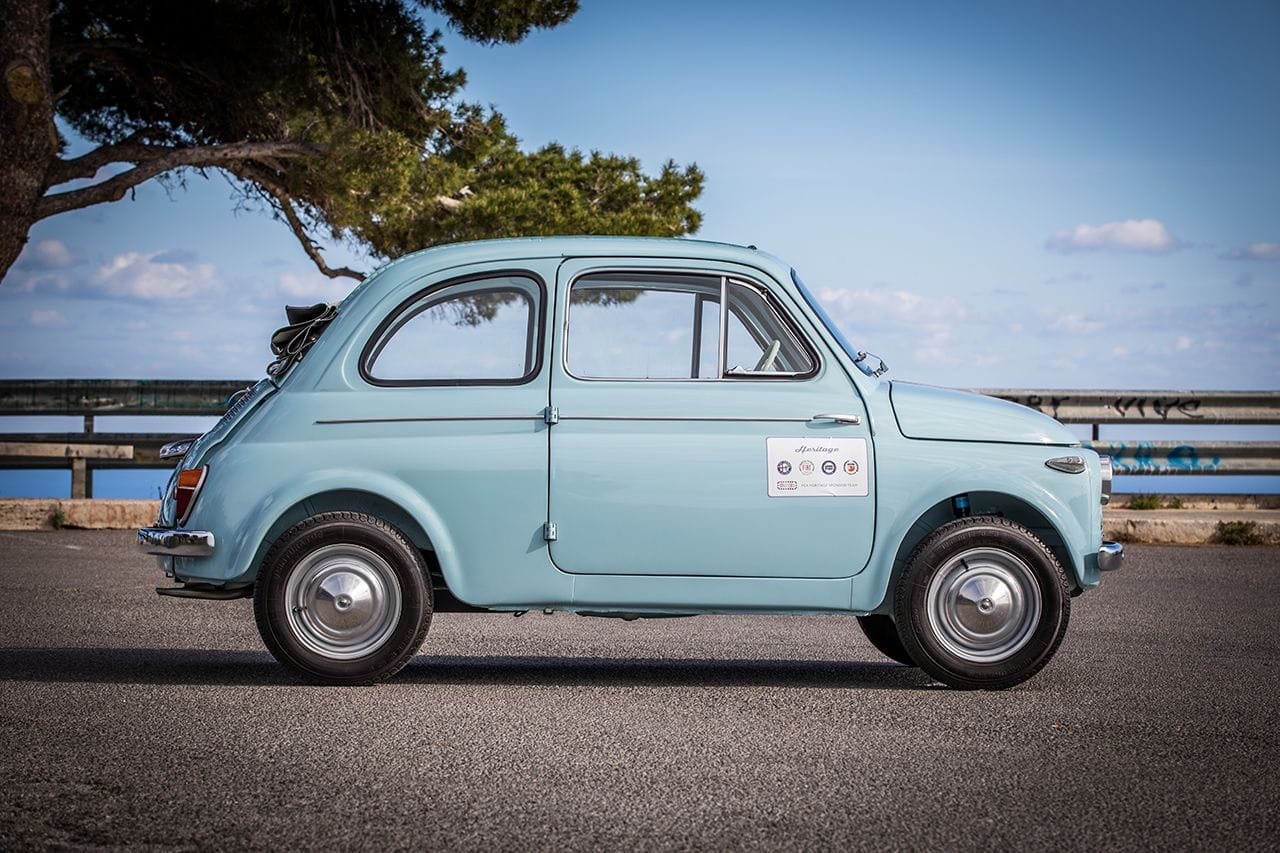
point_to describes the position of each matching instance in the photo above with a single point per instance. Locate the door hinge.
(549, 531)
(551, 415)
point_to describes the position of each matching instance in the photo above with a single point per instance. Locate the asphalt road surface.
(128, 719)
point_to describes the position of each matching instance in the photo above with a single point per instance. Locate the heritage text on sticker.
(833, 467)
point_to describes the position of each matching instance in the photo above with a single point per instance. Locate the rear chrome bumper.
(1110, 557)
(164, 542)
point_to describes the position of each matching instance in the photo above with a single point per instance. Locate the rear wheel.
(982, 604)
(343, 598)
(883, 634)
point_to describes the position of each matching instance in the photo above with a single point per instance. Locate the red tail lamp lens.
(189, 482)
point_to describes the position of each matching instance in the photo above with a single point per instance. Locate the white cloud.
(874, 307)
(24, 281)
(43, 265)
(1077, 324)
(1184, 343)
(47, 319)
(155, 276)
(1255, 252)
(1131, 235)
(314, 287)
(47, 255)
(884, 318)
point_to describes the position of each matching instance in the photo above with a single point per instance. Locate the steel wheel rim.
(983, 605)
(343, 601)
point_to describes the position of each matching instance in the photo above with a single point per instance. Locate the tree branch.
(153, 160)
(309, 246)
(279, 198)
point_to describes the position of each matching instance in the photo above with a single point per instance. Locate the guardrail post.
(87, 485)
(79, 470)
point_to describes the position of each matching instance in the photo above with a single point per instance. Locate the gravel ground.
(131, 720)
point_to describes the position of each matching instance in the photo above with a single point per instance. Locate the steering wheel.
(768, 357)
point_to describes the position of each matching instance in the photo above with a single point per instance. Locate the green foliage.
(57, 517)
(1143, 501)
(1173, 502)
(1237, 533)
(493, 21)
(394, 161)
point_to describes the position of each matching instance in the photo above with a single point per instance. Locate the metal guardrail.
(1148, 407)
(1192, 408)
(89, 398)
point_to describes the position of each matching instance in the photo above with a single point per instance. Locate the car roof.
(458, 254)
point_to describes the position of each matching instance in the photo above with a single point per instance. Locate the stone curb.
(99, 514)
(1157, 527)
(1186, 527)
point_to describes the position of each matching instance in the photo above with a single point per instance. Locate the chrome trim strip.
(433, 418)
(1110, 556)
(728, 419)
(722, 346)
(164, 542)
(1104, 466)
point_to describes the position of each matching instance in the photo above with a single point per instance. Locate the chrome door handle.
(852, 420)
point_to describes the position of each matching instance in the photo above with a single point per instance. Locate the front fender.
(916, 477)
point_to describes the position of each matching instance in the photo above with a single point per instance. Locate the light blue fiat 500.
(623, 428)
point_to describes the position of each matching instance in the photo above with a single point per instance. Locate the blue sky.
(987, 195)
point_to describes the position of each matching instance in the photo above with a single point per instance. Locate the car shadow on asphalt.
(660, 672)
(249, 668)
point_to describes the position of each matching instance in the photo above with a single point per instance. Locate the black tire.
(343, 598)
(883, 634)
(982, 604)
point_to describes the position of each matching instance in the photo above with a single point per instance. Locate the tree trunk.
(28, 138)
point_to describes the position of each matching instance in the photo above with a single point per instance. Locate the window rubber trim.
(536, 317)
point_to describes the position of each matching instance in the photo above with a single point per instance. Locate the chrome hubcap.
(983, 605)
(343, 600)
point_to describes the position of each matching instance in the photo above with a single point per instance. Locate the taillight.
(184, 493)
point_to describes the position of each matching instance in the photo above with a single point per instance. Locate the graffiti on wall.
(1146, 457)
(1160, 407)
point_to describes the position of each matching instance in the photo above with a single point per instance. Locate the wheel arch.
(390, 501)
(982, 502)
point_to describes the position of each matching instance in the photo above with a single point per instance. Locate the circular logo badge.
(806, 467)
(828, 467)
(784, 467)
(851, 467)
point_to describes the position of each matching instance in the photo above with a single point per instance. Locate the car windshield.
(829, 323)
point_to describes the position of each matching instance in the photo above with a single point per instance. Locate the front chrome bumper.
(1110, 557)
(164, 542)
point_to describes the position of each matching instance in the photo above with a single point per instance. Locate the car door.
(700, 430)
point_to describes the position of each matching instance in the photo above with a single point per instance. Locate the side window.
(759, 341)
(667, 326)
(480, 331)
(643, 326)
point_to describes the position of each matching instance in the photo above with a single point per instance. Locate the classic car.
(623, 427)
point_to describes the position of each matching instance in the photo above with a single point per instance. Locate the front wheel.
(982, 604)
(343, 598)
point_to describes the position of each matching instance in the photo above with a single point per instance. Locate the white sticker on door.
(813, 467)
